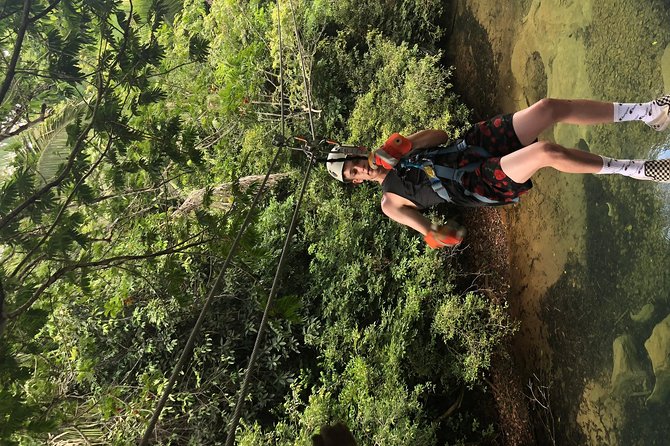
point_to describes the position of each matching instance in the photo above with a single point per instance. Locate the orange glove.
(390, 153)
(442, 236)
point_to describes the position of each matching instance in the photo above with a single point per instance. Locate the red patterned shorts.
(497, 137)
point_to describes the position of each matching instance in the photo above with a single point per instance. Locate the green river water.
(588, 253)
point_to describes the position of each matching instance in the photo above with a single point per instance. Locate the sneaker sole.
(662, 122)
(658, 170)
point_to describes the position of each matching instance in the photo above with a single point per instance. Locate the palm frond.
(49, 140)
(8, 151)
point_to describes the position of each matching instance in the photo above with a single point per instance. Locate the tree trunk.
(222, 196)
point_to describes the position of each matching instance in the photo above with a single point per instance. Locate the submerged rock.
(600, 417)
(535, 87)
(645, 313)
(628, 376)
(658, 347)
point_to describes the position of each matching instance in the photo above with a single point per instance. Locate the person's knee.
(551, 153)
(549, 108)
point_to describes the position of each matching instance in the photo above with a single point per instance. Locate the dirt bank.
(521, 241)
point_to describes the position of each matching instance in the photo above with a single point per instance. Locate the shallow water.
(587, 251)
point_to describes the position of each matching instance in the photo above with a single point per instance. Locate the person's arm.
(404, 212)
(397, 146)
(428, 138)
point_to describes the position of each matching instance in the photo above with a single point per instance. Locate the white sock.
(640, 111)
(628, 168)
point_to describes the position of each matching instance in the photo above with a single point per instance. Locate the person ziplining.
(493, 163)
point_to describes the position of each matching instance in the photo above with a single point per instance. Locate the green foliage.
(407, 91)
(478, 327)
(181, 96)
(412, 20)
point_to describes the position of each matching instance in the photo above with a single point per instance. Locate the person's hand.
(391, 152)
(379, 157)
(443, 236)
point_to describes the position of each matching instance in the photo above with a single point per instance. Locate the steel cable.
(230, 439)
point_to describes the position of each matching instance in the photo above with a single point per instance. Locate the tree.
(78, 76)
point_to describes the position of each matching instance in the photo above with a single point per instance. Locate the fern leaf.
(198, 48)
(163, 9)
(9, 193)
(151, 95)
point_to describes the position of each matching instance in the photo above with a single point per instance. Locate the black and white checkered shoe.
(658, 170)
(662, 121)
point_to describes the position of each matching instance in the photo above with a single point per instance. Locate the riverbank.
(534, 255)
(486, 257)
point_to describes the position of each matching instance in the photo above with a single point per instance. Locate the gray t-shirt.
(414, 185)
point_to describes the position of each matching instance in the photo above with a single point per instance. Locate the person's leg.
(522, 164)
(532, 121)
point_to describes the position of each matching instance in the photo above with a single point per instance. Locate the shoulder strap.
(460, 146)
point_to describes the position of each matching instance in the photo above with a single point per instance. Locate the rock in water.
(628, 376)
(536, 86)
(645, 313)
(658, 347)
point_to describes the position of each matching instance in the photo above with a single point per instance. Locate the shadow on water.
(587, 309)
(469, 49)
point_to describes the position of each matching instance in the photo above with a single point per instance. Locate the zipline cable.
(281, 74)
(188, 349)
(186, 353)
(308, 94)
(230, 439)
(254, 353)
(191, 341)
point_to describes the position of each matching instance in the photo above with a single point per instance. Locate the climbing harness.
(398, 151)
(438, 174)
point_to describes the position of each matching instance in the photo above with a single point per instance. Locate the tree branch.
(139, 191)
(163, 73)
(24, 127)
(46, 11)
(11, 122)
(3, 318)
(62, 77)
(9, 77)
(28, 269)
(104, 263)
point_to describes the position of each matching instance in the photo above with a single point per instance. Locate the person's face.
(358, 170)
